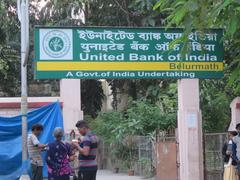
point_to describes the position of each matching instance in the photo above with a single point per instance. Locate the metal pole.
(24, 105)
(23, 81)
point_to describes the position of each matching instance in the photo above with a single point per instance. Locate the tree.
(131, 13)
(92, 97)
(141, 118)
(9, 59)
(52, 13)
(215, 105)
(202, 15)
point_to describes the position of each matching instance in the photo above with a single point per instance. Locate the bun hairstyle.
(58, 132)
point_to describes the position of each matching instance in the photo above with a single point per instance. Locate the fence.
(213, 160)
(148, 155)
(115, 156)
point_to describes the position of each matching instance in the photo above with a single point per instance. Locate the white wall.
(9, 111)
(70, 96)
(70, 92)
(235, 114)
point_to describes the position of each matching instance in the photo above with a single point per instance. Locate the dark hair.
(37, 127)
(82, 124)
(234, 133)
(238, 126)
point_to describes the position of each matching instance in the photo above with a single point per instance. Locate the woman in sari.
(229, 152)
(58, 158)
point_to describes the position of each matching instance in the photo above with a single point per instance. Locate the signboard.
(104, 52)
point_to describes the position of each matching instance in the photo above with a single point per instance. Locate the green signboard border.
(61, 74)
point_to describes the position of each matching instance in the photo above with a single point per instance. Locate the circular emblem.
(56, 44)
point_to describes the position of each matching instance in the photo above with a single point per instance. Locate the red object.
(15, 105)
(238, 105)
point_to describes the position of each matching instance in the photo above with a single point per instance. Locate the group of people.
(231, 152)
(59, 154)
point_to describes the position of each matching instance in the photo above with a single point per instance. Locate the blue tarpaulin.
(11, 166)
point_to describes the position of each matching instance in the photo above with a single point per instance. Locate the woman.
(58, 158)
(229, 151)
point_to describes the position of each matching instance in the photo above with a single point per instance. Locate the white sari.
(230, 172)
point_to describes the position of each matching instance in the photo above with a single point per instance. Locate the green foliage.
(167, 101)
(133, 13)
(54, 13)
(64, 12)
(3, 68)
(105, 124)
(146, 164)
(141, 118)
(121, 13)
(157, 96)
(9, 31)
(119, 129)
(203, 15)
(91, 96)
(215, 106)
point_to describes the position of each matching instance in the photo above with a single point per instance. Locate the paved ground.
(108, 175)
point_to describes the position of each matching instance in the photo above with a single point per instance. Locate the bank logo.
(56, 44)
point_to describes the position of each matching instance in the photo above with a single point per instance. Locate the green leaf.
(233, 25)
(162, 4)
(157, 5)
(179, 15)
(175, 41)
(221, 7)
(167, 10)
(180, 3)
(238, 8)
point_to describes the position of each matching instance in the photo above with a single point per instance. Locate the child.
(75, 163)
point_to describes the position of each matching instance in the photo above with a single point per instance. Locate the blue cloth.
(11, 166)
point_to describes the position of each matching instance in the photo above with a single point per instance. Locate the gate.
(213, 160)
(165, 156)
(167, 159)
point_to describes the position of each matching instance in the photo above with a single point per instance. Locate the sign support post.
(190, 130)
(23, 6)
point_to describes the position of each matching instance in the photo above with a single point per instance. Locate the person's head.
(232, 134)
(37, 129)
(82, 127)
(58, 133)
(238, 127)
